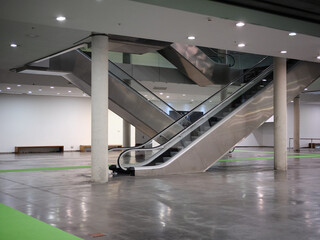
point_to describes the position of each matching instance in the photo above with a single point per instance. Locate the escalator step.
(206, 128)
(173, 153)
(194, 137)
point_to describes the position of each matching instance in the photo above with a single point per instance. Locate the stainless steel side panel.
(210, 147)
(123, 101)
(115, 91)
(196, 65)
(188, 68)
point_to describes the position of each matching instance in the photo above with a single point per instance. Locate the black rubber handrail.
(226, 54)
(266, 72)
(136, 81)
(205, 115)
(190, 112)
(222, 89)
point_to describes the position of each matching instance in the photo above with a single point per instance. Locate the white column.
(126, 129)
(126, 134)
(280, 114)
(296, 124)
(99, 109)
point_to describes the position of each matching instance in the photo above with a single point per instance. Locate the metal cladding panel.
(197, 66)
(123, 100)
(217, 141)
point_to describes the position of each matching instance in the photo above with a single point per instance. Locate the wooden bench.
(87, 148)
(38, 149)
(314, 145)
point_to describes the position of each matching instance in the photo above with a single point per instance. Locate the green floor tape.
(260, 158)
(250, 151)
(15, 225)
(43, 169)
(305, 155)
(244, 159)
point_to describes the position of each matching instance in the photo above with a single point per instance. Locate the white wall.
(263, 136)
(27, 120)
(309, 122)
(115, 128)
(309, 127)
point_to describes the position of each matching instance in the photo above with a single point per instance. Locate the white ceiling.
(130, 18)
(32, 24)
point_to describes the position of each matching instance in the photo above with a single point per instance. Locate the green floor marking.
(260, 158)
(43, 169)
(16, 225)
(249, 151)
(304, 155)
(244, 159)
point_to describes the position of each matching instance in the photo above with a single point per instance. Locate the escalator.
(219, 56)
(200, 64)
(127, 97)
(228, 116)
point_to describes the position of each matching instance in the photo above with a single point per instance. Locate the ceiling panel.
(307, 10)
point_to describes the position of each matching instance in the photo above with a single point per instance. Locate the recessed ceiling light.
(8, 88)
(264, 80)
(191, 37)
(240, 24)
(13, 45)
(39, 89)
(183, 95)
(161, 93)
(306, 89)
(61, 18)
(291, 101)
(29, 92)
(69, 91)
(52, 87)
(283, 51)
(241, 45)
(318, 57)
(18, 85)
(167, 96)
(292, 34)
(192, 100)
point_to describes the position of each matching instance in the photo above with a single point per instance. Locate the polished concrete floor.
(241, 197)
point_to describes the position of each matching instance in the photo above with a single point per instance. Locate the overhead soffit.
(138, 20)
(302, 16)
(305, 10)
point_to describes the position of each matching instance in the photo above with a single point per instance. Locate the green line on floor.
(237, 150)
(244, 159)
(307, 155)
(43, 169)
(17, 225)
(249, 151)
(261, 158)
